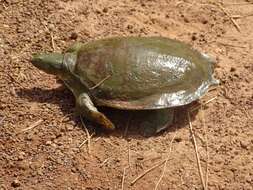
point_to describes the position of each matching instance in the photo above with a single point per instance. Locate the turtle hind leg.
(154, 121)
(87, 109)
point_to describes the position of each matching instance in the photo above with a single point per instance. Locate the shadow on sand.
(126, 122)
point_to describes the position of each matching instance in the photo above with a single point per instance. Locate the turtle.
(150, 74)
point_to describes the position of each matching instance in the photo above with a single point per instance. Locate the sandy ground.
(48, 156)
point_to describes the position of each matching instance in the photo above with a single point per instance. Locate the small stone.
(74, 170)
(98, 11)
(73, 36)
(16, 183)
(21, 156)
(29, 137)
(69, 127)
(48, 143)
(129, 27)
(233, 169)
(186, 20)
(232, 69)
(244, 144)
(194, 37)
(178, 139)
(105, 10)
(51, 27)
(204, 21)
(23, 165)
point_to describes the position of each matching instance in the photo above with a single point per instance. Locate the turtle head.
(51, 63)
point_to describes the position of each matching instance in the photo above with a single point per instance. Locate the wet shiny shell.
(143, 72)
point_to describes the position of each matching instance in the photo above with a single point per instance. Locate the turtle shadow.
(125, 121)
(128, 126)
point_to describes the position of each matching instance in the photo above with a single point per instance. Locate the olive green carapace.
(143, 73)
(133, 73)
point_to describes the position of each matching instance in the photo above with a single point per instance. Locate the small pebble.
(186, 20)
(51, 27)
(194, 37)
(244, 144)
(105, 10)
(69, 127)
(204, 21)
(48, 143)
(178, 139)
(21, 156)
(232, 69)
(15, 183)
(73, 36)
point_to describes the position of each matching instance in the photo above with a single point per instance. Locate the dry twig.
(245, 3)
(228, 15)
(104, 162)
(123, 178)
(241, 16)
(87, 134)
(99, 83)
(82, 143)
(127, 126)
(2, 119)
(196, 151)
(206, 142)
(108, 141)
(97, 139)
(231, 45)
(16, 81)
(147, 171)
(165, 164)
(125, 168)
(35, 124)
(129, 155)
(203, 104)
(86, 140)
(52, 40)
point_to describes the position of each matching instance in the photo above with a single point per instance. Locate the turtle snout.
(36, 60)
(49, 62)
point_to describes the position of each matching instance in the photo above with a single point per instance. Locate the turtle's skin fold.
(131, 73)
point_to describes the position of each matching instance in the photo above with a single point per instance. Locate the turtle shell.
(143, 72)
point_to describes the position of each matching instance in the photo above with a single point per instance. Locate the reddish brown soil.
(48, 157)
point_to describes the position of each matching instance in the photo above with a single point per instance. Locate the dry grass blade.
(231, 45)
(124, 170)
(165, 164)
(2, 119)
(52, 41)
(147, 171)
(87, 134)
(82, 143)
(196, 151)
(85, 141)
(35, 124)
(123, 178)
(241, 16)
(104, 162)
(207, 153)
(127, 126)
(129, 155)
(205, 103)
(14, 80)
(245, 3)
(101, 82)
(231, 18)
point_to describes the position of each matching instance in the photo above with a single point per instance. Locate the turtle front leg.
(86, 108)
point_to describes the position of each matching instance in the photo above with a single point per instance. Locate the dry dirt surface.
(43, 144)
